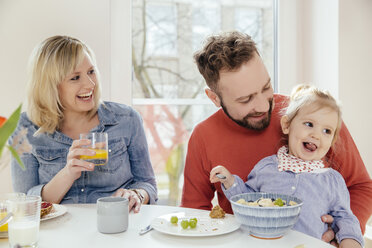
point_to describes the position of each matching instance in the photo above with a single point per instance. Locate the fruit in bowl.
(46, 208)
(268, 222)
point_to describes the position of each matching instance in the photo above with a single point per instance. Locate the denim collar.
(106, 118)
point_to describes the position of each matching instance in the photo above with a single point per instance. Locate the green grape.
(195, 219)
(174, 220)
(192, 223)
(184, 224)
(279, 202)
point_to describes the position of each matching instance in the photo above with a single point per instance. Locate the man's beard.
(258, 126)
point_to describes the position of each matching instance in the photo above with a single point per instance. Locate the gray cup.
(112, 214)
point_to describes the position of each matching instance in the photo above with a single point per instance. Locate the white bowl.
(266, 222)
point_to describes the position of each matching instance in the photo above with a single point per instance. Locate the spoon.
(6, 219)
(220, 176)
(145, 230)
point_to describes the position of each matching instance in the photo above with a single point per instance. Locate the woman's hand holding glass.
(75, 165)
(99, 143)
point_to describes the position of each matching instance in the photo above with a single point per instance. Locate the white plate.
(206, 226)
(57, 210)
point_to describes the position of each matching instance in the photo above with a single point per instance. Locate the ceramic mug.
(112, 214)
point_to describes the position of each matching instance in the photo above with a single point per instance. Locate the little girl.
(311, 124)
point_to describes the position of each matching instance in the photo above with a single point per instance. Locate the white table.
(77, 228)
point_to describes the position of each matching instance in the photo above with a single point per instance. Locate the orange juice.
(3, 228)
(100, 158)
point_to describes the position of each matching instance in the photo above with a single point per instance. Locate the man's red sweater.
(220, 141)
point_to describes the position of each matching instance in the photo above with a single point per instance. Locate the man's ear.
(213, 96)
(284, 122)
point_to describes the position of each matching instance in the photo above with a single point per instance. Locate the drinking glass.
(4, 210)
(23, 229)
(99, 143)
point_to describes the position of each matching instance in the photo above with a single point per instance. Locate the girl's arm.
(345, 222)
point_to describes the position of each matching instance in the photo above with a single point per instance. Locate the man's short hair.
(227, 51)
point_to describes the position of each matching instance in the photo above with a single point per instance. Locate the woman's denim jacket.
(128, 166)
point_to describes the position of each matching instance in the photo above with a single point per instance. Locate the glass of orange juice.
(3, 213)
(99, 143)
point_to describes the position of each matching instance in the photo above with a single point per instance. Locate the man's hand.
(329, 235)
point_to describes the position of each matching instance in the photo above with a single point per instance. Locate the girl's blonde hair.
(51, 61)
(305, 95)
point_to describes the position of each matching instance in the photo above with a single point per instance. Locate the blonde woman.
(63, 102)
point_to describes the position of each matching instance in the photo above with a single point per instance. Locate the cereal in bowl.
(266, 202)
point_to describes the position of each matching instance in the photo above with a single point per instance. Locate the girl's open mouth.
(309, 146)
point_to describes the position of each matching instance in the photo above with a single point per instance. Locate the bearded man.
(246, 128)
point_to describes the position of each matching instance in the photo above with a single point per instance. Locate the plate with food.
(196, 223)
(50, 211)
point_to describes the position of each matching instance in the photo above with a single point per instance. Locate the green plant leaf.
(16, 156)
(9, 126)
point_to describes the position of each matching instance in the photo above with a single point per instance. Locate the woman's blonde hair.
(305, 95)
(51, 61)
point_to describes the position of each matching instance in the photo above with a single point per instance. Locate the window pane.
(167, 131)
(204, 21)
(248, 20)
(168, 90)
(161, 30)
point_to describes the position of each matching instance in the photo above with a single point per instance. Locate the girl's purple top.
(322, 193)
